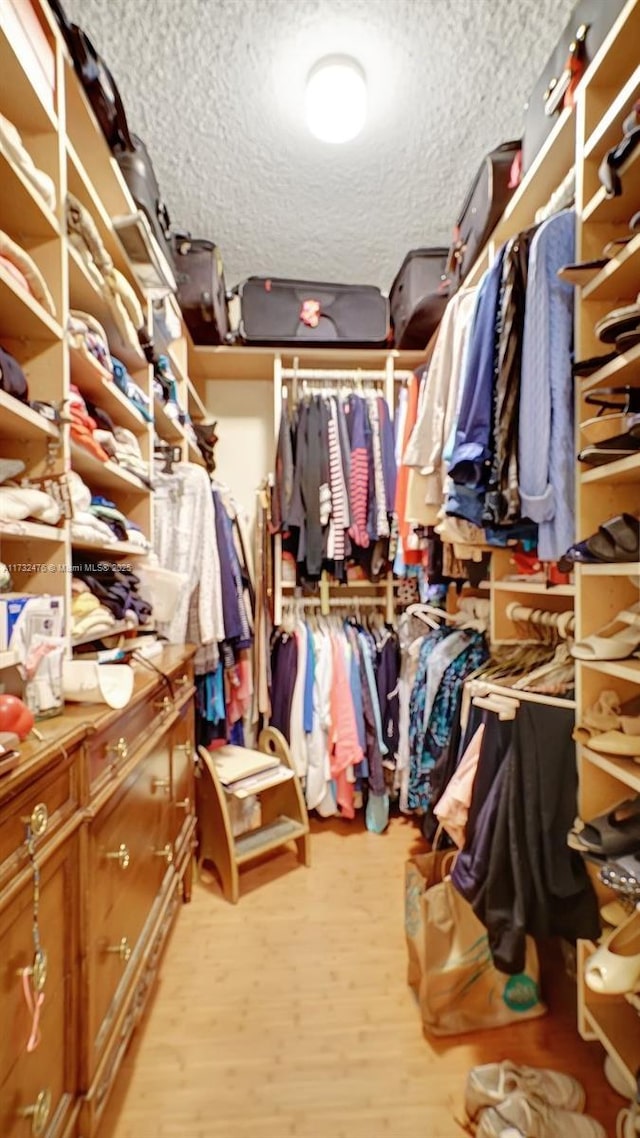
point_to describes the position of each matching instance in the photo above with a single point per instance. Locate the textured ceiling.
(215, 87)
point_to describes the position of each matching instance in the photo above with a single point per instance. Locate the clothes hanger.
(430, 616)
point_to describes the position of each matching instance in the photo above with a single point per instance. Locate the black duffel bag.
(202, 293)
(418, 297)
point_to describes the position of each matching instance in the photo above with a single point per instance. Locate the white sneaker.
(494, 1082)
(531, 1118)
(628, 1122)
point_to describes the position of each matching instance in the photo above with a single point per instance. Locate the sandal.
(616, 541)
(616, 641)
(623, 876)
(608, 450)
(613, 834)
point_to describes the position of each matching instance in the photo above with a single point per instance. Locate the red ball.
(15, 716)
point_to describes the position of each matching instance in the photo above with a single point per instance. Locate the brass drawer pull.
(165, 704)
(184, 805)
(166, 852)
(37, 820)
(37, 971)
(183, 681)
(123, 949)
(160, 784)
(187, 748)
(38, 1112)
(121, 855)
(120, 749)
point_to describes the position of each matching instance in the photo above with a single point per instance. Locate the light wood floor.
(289, 1014)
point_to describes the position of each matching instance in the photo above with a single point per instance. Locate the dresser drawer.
(46, 803)
(182, 774)
(51, 1067)
(110, 750)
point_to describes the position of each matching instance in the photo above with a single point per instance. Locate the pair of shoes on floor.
(628, 1122)
(510, 1101)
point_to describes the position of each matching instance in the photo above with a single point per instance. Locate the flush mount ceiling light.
(336, 99)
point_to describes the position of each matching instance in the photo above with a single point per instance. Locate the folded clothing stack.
(17, 503)
(116, 590)
(88, 615)
(166, 388)
(24, 272)
(83, 426)
(94, 429)
(98, 520)
(87, 335)
(12, 143)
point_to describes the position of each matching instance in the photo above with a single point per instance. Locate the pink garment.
(452, 810)
(239, 687)
(344, 748)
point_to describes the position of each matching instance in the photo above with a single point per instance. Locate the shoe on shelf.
(522, 1117)
(614, 968)
(623, 876)
(612, 834)
(615, 542)
(492, 1083)
(628, 1122)
(609, 714)
(617, 640)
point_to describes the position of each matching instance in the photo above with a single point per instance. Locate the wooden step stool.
(242, 772)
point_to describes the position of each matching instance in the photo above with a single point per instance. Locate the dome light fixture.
(336, 99)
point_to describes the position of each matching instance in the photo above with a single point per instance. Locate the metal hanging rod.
(354, 375)
(333, 602)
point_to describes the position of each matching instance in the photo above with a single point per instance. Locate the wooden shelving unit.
(605, 98)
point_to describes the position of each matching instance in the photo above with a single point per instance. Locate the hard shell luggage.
(202, 294)
(483, 207)
(583, 36)
(277, 311)
(418, 297)
(137, 170)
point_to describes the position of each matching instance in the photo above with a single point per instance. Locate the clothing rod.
(482, 688)
(333, 602)
(342, 376)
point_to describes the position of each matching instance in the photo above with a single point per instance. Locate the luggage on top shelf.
(484, 205)
(586, 31)
(277, 311)
(202, 293)
(139, 174)
(418, 297)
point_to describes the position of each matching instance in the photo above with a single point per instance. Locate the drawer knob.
(166, 852)
(121, 855)
(165, 704)
(184, 805)
(182, 681)
(187, 748)
(120, 749)
(37, 971)
(160, 784)
(122, 949)
(38, 1112)
(38, 820)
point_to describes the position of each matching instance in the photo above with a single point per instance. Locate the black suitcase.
(137, 170)
(419, 297)
(202, 294)
(277, 311)
(586, 31)
(483, 207)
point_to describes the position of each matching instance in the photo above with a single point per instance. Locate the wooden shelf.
(267, 838)
(111, 549)
(18, 421)
(21, 102)
(618, 569)
(30, 531)
(95, 383)
(167, 428)
(615, 1023)
(21, 317)
(194, 453)
(550, 167)
(239, 362)
(609, 130)
(25, 215)
(617, 211)
(625, 770)
(106, 475)
(117, 629)
(620, 278)
(623, 470)
(84, 294)
(197, 409)
(617, 669)
(617, 373)
(536, 588)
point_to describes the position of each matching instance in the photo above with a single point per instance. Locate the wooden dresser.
(97, 827)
